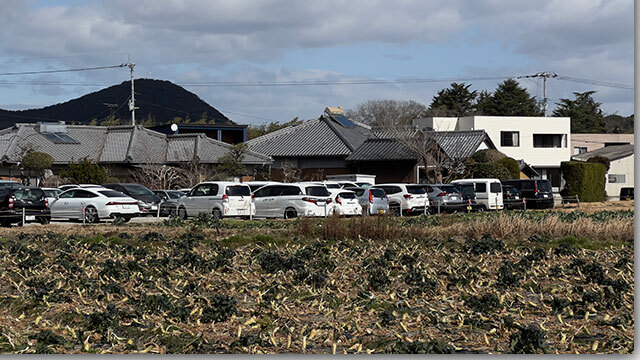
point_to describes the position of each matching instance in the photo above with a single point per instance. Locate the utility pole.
(132, 101)
(544, 75)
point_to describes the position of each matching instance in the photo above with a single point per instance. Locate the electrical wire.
(62, 70)
(595, 82)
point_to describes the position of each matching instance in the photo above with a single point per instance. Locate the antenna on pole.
(132, 101)
(544, 75)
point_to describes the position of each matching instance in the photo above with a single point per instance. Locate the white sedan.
(93, 204)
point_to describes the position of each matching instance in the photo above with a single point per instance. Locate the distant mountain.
(616, 124)
(159, 102)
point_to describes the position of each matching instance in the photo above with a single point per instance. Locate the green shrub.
(35, 160)
(512, 166)
(489, 170)
(600, 160)
(487, 156)
(587, 180)
(85, 172)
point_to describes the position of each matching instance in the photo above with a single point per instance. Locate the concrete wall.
(622, 166)
(597, 141)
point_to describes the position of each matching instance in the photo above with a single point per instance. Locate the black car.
(147, 200)
(169, 204)
(468, 192)
(537, 192)
(511, 197)
(626, 193)
(25, 200)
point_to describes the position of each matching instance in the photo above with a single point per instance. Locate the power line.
(336, 82)
(63, 70)
(596, 82)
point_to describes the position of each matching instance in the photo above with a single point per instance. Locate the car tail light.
(46, 202)
(12, 202)
(370, 197)
(225, 198)
(252, 199)
(329, 201)
(442, 194)
(338, 200)
(407, 196)
(122, 203)
(535, 186)
(311, 200)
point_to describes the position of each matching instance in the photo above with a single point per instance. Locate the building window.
(577, 150)
(617, 178)
(549, 140)
(509, 138)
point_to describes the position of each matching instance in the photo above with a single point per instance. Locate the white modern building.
(542, 142)
(620, 172)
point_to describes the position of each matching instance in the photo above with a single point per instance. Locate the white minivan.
(488, 193)
(219, 198)
(292, 200)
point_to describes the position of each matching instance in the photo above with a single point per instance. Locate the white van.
(292, 200)
(488, 193)
(219, 198)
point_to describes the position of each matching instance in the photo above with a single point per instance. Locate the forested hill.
(159, 102)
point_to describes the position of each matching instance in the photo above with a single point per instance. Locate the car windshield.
(135, 189)
(29, 194)
(111, 193)
(448, 189)
(238, 190)
(51, 193)
(175, 194)
(317, 191)
(332, 186)
(378, 193)
(544, 185)
(415, 189)
(348, 195)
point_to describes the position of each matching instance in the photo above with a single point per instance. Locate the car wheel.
(217, 214)
(482, 208)
(290, 213)
(182, 213)
(91, 215)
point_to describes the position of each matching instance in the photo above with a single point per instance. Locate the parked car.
(346, 203)
(292, 200)
(9, 184)
(255, 185)
(488, 193)
(218, 198)
(363, 184)
(51, 193)
(445, 198)
(94, 204)
(511, 197)
(626, 193)
(468, 193)
(410, 199)
(373, 201)
(345, 184)
(169, 201)
(147, 200)
(32, 199)
(67, 187)
(537, 192)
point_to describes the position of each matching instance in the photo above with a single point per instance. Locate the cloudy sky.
(209, 41)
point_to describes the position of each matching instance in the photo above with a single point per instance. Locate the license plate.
(545, 195)
(30, 217)
(380, 211)
(125, 206)
(321, 203)
(154, 207)
(517, 197)
(454, 198)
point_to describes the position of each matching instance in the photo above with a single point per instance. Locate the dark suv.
(626, 193)
(537, 192)
(511, 197)
(147, 200)
(31, 199)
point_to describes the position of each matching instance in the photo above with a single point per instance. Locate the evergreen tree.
(510, 99)
(585, 113)
(456, 100)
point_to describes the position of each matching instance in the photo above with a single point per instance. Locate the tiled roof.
(118, 144)
(610, 152)
(320, 137)
(387, 146)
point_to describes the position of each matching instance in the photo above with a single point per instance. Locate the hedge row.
(587, 180)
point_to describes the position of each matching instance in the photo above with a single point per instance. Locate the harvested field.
(499, 283)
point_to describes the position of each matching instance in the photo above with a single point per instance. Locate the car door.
(61, 207)
(80, 200)
(263, 201)
(197, 200)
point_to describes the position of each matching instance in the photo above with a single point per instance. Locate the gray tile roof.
(118, 144)
(385, 145)
(319, 137)
(610, 152)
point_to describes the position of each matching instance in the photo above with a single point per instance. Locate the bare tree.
(290, 173)
(157, 176)
(387, 112)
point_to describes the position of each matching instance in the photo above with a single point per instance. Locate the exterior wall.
(526, 126)
(622, 166)
(388, 171)
(597, 141)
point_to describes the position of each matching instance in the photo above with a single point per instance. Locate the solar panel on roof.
(60, 138)
(342, 120)
(67, 139)
(52, 137)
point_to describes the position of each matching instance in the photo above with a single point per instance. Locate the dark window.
(317, 191)
(111, 193)
(332, 186)
(238, 190)
(161, 194)
(448, 189)
(544, 185)
(481, 187)
(82, 194)
(205, 190)
(390, 189)
(415, 190)
(264, 192)
(136, 190)
(359, 192)
(549, 140)
(509, 138)
(175, 194)
(616, 143)
(527, 185)
(348, 195)
(67, 194)
(255, 187)
(495, 187)
(378, 193)
(51, 193)
(291, 191)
